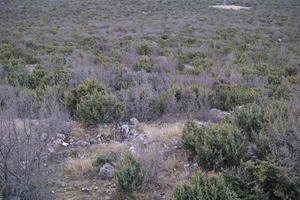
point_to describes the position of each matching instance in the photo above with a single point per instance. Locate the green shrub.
(277, 87)
(181, 99)
(144, 49)
(98, 108)
(89, 87)
(219, 145)
(291, 71)
(215, 145)
(204, 187)
(104, 158)
(130, 174)
(249, 118)
(145, 63)
(263, 180)
(189, 134)
(228, 97)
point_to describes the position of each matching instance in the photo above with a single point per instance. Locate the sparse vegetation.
(74, 73)
(130, 174)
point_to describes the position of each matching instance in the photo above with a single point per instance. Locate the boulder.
(106, 172)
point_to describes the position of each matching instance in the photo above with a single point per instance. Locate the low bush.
(104, 158)
(145, 63)
(215, 145)
(98, 108)
(228, 97)
(219, 145)
(89, 87)
(180, 99)
(144, 49)
(130, 174)
(263, 180)
(249, 118)
(204, 187)
(277, 87)
(189, 134)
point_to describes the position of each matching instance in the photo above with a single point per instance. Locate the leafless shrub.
(23, 144)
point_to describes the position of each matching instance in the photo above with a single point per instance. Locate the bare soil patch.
(230, 7)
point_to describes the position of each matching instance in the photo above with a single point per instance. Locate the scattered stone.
(125, 128)
(64, 144)
(132, 149)
(34, 122)
(94, 141)
(44, 136)
(61, 136)
(85, 189)
(177, 143)
(106, 172)
(200, 123)
(134, 121)
(186, 166)
(218, 115)
(58, 142)
(51, 149)
(194, 166)
(96, 188)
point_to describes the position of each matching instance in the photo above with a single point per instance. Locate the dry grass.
(162, 132)
(79, 166)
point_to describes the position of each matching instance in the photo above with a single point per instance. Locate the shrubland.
(104, 62)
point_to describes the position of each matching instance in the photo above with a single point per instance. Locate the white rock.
(51, 149)
(125, 128)
(85, 189)
(65, 144)
(134, 121)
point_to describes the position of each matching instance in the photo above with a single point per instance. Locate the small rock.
(177, 143)
(134, 121)
(44, 136)
(186, 166)
(34, 122)
(61, 136)
(51, 149)
(58, 141)
(194, 166)
(200, 123)
(85, 189)
(93, 141)
(96, 188)
(106, 172)
(64, 144)
(132, 149)
(125, 128)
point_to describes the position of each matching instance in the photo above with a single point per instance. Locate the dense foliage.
(204, 187)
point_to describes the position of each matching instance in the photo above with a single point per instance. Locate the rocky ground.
(77, 174)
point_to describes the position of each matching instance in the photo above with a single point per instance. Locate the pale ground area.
(230, 7)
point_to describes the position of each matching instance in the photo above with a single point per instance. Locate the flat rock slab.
(230, 7)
